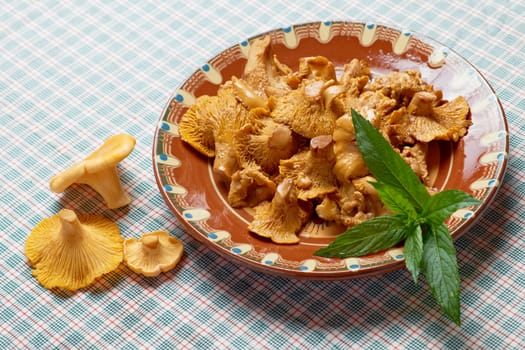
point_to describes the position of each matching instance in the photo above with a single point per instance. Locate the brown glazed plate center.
(475, 165)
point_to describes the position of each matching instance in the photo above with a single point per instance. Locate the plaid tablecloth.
(73, 73)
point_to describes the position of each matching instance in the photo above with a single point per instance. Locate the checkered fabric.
(74, 72)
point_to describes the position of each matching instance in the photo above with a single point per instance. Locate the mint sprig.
(370, 236)
(418, 220)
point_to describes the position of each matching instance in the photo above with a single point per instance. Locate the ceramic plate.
(475, 165)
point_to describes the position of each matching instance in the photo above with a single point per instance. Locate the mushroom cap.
(210, 124)
(114, 149)
(69, 251)
(316, 67)
(374, 105)
(400, 86)
(311, 169)
(281, 218)
(304, 109)
(264, 141)
(108, 155)
(255, 71)
(447, 122)
(232, 117)
(263, 71)
(356, 68)
(153, 253)
(197, 125)
(250, 186)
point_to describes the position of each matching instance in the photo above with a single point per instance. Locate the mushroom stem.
(150, 241)
(69, 223)
(280, 137)
(107, 184)
(321, 146)
(422, 104)
(247, 95)
(225, 162)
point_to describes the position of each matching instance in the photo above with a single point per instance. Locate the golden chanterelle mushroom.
(99, 171)
(69, 251)
(153, 253)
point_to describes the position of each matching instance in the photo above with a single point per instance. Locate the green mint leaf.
(394, 199)
(440, 268)
(369, 236)
(445, 203)
(414, 252)
(385, 164)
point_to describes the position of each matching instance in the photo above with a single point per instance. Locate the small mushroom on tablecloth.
(99, 171)
(153, 253)
(69, 251)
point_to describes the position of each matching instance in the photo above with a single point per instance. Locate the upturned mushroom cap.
(263, 71)
(446, 122)
(282, 218)
(264, 141)
(232, 116)
(423, 121)
(316, 67)
(99, 171)
(255, 71)
(69, 251)
(311, 170)
(305, 110)
(198, 123)
(401, 86)
(153, 253)
(356, 68)
(250, 186)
